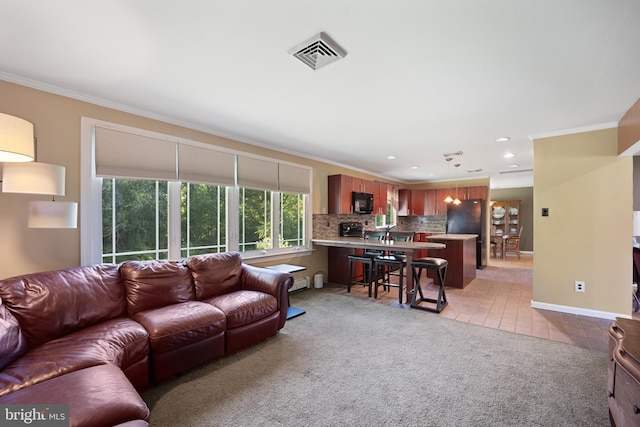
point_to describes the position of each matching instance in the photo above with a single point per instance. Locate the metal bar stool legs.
(384, 268)
(367, 276)
(438, 264)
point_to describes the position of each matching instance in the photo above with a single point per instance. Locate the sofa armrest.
(265, 280)
(272, 282)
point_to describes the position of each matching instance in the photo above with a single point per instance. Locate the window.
(255, 219)
(203, 216)
(134, 220)
(152, 196)
(292, 223)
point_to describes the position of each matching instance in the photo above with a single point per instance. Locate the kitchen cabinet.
(505, 217)
(474, 193)
(380, 197)
(441, 205)
(360, 185)
(421, 237)
(411, 202)
(340, 188)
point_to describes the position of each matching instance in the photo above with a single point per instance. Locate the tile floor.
(500, 298)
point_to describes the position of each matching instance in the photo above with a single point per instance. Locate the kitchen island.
(460, 252)
(409, 248)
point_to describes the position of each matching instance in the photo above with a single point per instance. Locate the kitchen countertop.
(452, 236)
(357, 242)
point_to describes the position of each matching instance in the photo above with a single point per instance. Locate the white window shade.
(121, 154)
(205, 165)
(294, 179)
(257, 173)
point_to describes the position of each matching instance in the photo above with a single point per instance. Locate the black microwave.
(362, 203)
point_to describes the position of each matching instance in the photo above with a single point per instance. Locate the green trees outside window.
(136, 216)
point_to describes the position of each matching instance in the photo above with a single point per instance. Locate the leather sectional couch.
(95, 337)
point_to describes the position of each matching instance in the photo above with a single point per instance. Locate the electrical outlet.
(580, 286)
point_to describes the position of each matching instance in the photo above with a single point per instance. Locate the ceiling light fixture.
(448, 199)
(391, 157)
(456, 201)
(509, 155)
(503, 139)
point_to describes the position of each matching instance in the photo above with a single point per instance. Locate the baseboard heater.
(300, 284)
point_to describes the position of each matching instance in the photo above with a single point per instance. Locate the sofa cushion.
(154, 284)
(244, 307)
(12, 342)
(179, 325)
(51, 304)
(98, 396)
(121, 342)
(215, 274)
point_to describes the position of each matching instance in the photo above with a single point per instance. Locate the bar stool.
(367, 277)
(385, 267)
(429, 263)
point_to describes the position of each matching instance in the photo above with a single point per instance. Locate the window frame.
(91, 203)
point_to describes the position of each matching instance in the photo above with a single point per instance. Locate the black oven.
(351, 229)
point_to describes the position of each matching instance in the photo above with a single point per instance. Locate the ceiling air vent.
(515, 171)
(318, 51)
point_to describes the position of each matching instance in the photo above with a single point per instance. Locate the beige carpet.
(351, 362)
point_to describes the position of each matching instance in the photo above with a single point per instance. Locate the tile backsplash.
(326, 226)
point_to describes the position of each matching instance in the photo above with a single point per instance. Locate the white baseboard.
(578, 311)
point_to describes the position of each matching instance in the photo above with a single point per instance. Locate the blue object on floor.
(294, 312)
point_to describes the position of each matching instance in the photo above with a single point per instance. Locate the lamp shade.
(52, 214)
(33, 178)
(16, 139)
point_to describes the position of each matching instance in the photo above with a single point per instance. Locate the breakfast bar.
(409, 249)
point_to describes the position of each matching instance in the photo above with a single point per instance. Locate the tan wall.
(587, 235)
(57, 127)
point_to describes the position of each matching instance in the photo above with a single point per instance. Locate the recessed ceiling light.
(503, 139)
(392, 157)
(515, 165)
(509, 155)
(415, 167)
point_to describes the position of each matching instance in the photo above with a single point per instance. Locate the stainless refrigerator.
(469, 217)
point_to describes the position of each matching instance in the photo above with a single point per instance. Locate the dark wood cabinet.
(441, 205)
(474, 193)
(380, 197)
(411, 202)
(623, 372)
(340, 188)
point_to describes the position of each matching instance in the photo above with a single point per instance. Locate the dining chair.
(512, 243)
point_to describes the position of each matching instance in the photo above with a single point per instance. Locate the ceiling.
(421, 78)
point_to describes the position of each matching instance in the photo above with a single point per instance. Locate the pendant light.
(448, 199)
(456, 201)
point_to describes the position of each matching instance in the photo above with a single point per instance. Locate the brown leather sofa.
(95, 337)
